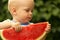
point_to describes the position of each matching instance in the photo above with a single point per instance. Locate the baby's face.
(24, 12)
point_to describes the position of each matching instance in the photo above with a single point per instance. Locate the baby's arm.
(10, 24)
(5, 24)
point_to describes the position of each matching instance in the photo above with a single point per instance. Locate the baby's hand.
(48, 29)
(16, 26)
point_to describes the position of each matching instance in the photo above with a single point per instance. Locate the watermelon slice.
(30, 32)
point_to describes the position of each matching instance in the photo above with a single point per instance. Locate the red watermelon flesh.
(30, 32)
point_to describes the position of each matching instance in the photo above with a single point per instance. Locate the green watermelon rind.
(1, 34)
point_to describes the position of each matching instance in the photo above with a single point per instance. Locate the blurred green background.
(45, 10)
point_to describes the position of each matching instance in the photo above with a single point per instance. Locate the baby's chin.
(26, 21)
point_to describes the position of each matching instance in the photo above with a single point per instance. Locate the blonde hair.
(15, 4)
(12, 3)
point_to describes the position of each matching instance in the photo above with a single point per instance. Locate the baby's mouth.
(29, 18)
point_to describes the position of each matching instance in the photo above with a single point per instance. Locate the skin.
(23, 13)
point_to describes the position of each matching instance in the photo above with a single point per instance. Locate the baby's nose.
(30, 13)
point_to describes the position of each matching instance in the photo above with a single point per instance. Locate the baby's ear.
(13, 11)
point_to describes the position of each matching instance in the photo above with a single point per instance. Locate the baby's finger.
(17, 27)
(48, 29)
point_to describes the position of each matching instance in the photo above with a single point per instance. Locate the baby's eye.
(26, 10)
(31, 10)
